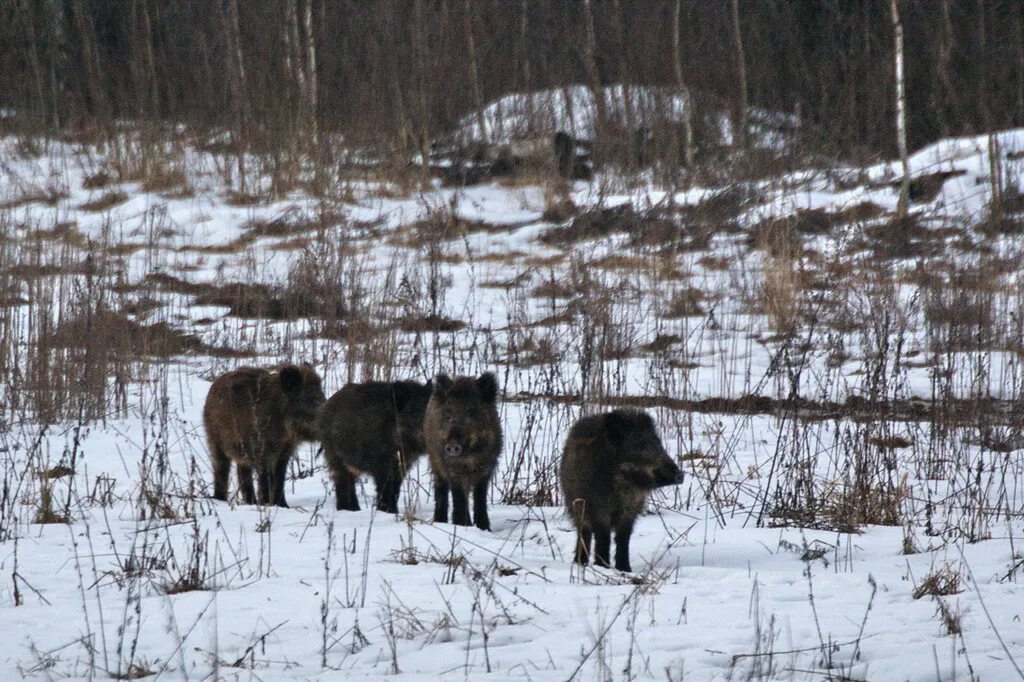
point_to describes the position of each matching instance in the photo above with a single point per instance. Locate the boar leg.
(622, 535)
(388, 487)
(440, 499)
(345, 489)
(280, 476)
(583, 540)
(221, 472)
(244, 472)
(483, 522)
(264, 485)
(602, 545)
(460, 505)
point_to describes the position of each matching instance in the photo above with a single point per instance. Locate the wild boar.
(256, 418)
(610, 463)
(374, 428)
(463, 436)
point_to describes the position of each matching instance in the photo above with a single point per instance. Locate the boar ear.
(617, 424)
(442, 384)
(646, 421)
(487, 384)
(290, 378)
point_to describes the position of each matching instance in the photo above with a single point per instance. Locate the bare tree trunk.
(741, 74)
(628, 117)
(91, 60)
(901, 108)
(593, 76)
(422, 62)
(474, 74)
(1019, 32)
(524, 61)
(294, 63)
(34, 64)
(311, 94)
(684, 93)
(57, 38)
(237, 83)
(942, 64)
(995, 154)
(147, 45)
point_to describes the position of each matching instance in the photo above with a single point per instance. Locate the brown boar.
(610, 463)
(256, 418)
(374, 428)
(463, 436)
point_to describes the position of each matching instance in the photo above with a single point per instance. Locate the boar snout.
(452, 449)
(668, 474)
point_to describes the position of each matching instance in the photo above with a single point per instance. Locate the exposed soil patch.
(661, 343)
(66, 232)
(925, 188)
(718, 208)
(598, 223)
(165, 179)
(123, 338)
(954, 411)
(34, 271)
(430, 323)
(37, 196)
(105, 202)
(257, 301)
(444, 226)
(901, 239)
(687, 302)
(810, 222)
(559, 211)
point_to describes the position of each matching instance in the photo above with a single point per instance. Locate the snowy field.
(839, 387)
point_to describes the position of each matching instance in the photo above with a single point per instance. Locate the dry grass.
(941, 582)
(105, 202)
(780, 295)
(686, 302)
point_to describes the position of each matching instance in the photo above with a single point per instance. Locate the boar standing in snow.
(256, 418)
(463, 436)
(374, 428)
(610, 463)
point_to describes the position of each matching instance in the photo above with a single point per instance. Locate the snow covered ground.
(151, 576)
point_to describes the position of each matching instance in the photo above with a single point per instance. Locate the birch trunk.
(901, 108)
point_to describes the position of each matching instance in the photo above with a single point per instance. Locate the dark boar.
(463, 435)
(256, 418)
(610, 462)
(374, 428)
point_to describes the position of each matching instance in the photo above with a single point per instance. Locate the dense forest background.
(394, 73)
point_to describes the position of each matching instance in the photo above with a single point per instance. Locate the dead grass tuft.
(165, 179)
(599, 223)
(941, 582)
(305, 296)
(124, 338)
(430, 323)
(686, 302)
(105, 201)
(49, 197)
